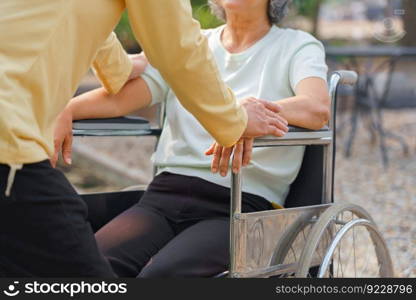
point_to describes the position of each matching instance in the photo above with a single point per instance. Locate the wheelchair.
(310, 237)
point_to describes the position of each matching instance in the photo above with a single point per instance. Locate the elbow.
(322, 115)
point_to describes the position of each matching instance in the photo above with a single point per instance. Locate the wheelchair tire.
(285, 243)
(327, 221)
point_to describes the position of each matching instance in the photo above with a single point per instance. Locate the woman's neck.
(240, 33)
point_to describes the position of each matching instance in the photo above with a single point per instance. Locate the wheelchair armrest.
(297, 136)
(137, 126)
(122, 126)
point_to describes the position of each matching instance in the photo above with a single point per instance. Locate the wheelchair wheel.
(289, 246)
(356, 247)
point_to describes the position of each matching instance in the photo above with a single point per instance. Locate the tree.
(311, 10)
(409, 22)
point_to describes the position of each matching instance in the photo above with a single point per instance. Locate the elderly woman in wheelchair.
(180, 227)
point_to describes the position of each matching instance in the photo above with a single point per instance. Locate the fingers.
(283, 120)
(238, 156)
(211, 149)
(225, 160)
(217, 157)
(65, 146)
(67, 149)
(276, 122)
(54, 159)
(274, 107)
(262, 116)
(58, 146)
(248, 151)
(271, 114)
(276, 132)
(242, 156)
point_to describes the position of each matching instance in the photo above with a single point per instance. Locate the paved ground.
(388, 194)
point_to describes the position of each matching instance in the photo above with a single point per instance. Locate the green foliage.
(306, 7)
(203, 15)
(197, 3)
(125, 33)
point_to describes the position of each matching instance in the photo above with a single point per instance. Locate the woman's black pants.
(180, 228)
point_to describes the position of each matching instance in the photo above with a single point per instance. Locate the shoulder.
(294, 40)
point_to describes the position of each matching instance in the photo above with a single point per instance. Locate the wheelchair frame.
(325, 139)
(252, 253)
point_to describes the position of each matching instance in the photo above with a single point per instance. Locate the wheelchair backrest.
(306, 190)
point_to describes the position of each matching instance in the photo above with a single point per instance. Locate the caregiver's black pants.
(43, 227)
(179, 228)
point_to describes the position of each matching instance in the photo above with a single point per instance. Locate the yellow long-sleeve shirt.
(47, 46)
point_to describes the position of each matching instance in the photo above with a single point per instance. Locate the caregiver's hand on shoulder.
(139, 64)
(263, 118)
(63, 137)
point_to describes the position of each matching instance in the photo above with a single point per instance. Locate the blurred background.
(376, 121)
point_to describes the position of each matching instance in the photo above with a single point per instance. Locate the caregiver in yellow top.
(46, 47)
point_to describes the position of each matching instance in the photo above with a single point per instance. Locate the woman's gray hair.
(276, 11)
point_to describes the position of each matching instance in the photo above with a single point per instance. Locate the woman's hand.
(63, 137)
(139, 64)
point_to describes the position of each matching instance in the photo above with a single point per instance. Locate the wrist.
(69, 110)
(139, 63)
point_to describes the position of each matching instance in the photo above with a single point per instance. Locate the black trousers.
(43, 227)
(180, 228)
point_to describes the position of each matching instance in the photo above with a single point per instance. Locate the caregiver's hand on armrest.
(242, 150)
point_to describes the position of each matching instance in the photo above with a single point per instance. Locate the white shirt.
(269, 70)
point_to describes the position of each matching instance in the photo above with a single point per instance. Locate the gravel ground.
(388, 194)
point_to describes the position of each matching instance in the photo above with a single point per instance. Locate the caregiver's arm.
(112, 64)
(114, 67)
(97, 103)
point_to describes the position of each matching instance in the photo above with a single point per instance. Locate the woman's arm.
(100, 104)
(310, 108)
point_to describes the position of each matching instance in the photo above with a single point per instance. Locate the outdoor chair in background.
(369, 101)
(311, 237)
